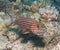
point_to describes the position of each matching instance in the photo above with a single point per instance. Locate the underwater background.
(29, 24)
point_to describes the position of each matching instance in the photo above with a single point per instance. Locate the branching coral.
(49, 13)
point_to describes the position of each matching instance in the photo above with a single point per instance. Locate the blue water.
(56, 4)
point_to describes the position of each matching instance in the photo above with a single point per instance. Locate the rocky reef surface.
(29, 25)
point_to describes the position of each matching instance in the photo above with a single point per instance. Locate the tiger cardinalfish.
(27, 25)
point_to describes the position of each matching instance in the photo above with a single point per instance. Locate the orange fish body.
(27, 24)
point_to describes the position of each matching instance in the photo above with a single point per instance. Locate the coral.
(12, 36)
(2, 27)
(2, 13)
(52, 28)
(6, 20)
(36, 16)
(3, 42)
(49, 13)
(35, 6)
(18, 2)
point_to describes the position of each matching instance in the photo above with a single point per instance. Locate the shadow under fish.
(35, 39)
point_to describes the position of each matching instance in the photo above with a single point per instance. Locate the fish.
(27, 24)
